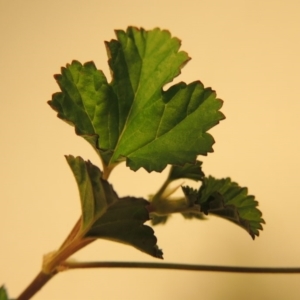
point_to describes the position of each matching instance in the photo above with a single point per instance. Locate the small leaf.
(227, 199)
(189, 171)
(3, 293)
(132, 118)
(157, 219)
(105, 215)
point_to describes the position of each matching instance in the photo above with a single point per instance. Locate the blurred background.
(248, 51)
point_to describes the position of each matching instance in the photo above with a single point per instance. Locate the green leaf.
(105, 215)
(189, 171)
(3, 293)
(227, 199)
(123, 221)
(132, 117)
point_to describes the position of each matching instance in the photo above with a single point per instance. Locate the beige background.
(248, 51)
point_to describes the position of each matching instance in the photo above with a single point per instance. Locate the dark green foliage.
(105, 215)
(132, 119)
(228, 200)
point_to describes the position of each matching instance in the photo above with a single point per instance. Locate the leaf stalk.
(174, 266)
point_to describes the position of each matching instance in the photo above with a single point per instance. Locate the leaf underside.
(105, 215)
(132, 118)
(227, 199)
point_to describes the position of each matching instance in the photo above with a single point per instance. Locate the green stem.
(42, 278)
(175, 266)
(157, 197)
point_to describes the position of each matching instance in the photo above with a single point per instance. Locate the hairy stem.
(174, 266)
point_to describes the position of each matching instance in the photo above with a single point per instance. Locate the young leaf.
(163, 198)
(105, 215)
(227, 199)
(3, 293)
(132, 117)
(189, 171)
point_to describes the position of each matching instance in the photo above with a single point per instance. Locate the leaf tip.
(3, 293)
(158, 253)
